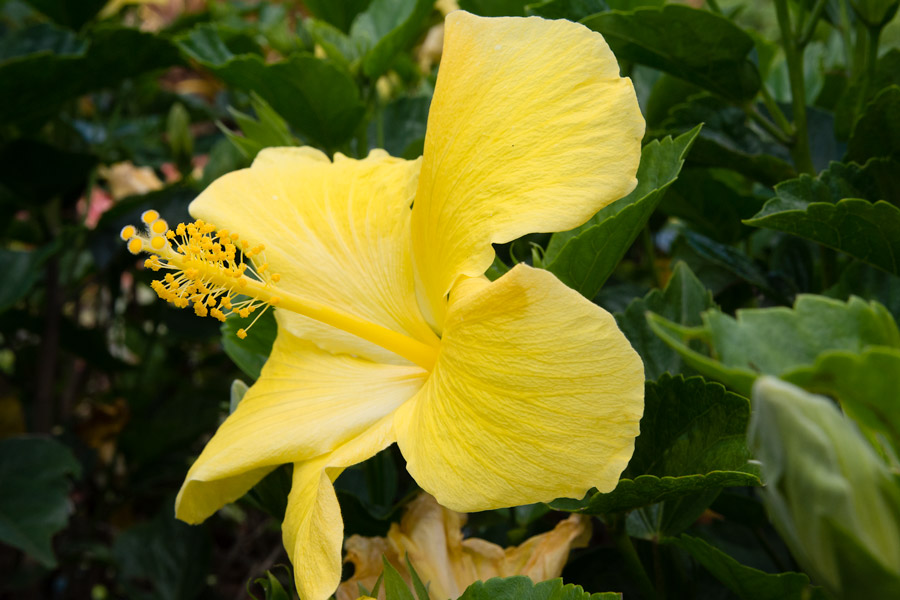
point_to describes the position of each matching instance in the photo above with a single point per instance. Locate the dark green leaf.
(163, 559)
(711, 206)
(34, 505)
(853, 101)
(314, 96)
(859, 279)
(495, 8)
(24, 165)
(34, 85)
(71, 13)
(387, 27)
(869, 232)
(682, 302)
(573, 10)
(692, 441)
(584, 258)
(21, 270)
(775, 341)
(728, 140)
(402, 126)
(251, 353)
(339, 13)
(522, 588)
(699, 251)
(877, 133)
(746, 582)
(696, 45)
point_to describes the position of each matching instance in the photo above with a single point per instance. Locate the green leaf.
(776, 341)
(866, 384)
(699, 46)
(691, 442)
(584, 258)
(573, 10)
(877, 133)
(339, 13)
(842, 208)
(37, 80)
(317, 98)
(682, 301)
(34, 505)
(875, 13)
(162, 559)
(746, 582)
(251, 353)
(869, 232)
(387, 27)
(71, 13)
(522, 588)
(272, 588)
(830, 495)
(421, 589)
(394, 586)
(267, 130)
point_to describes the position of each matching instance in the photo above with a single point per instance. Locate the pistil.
(219, 274)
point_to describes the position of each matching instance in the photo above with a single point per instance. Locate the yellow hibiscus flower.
(498, 393)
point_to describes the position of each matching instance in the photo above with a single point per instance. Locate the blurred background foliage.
(787, 194)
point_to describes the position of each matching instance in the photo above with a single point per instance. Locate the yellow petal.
(306, 403)
(313, 529)
(337, 233)
(536, 395)
(531, 129)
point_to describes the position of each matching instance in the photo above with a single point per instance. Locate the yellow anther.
(235, 237)
(262, 268)
(210, 301)
(241, 333)
(149, 216)
(158, 242)
(225, 302)
(159, 226)
(244, 313)
(170, 235)
(150, 263)
(191, 273)
(128, 232)
(180, 230)
(135, 245)
(274, 300)
(222, 234)
(276, 277)
(170, 279)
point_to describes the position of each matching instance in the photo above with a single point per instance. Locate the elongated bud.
(833, 499)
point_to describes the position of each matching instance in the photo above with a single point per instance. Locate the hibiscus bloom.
(498, 393)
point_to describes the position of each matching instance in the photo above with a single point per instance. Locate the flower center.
(219, 275)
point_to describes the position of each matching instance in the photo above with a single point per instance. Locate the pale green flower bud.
(833, 499)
